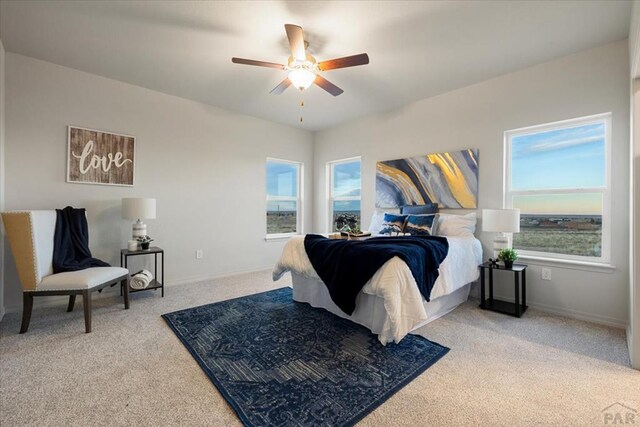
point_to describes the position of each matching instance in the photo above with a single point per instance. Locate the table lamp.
(501, 221)
(138, 209)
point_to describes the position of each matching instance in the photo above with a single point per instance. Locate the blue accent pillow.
(421, 225)
(393, 223)
(426, 209)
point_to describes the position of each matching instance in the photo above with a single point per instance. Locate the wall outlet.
(199, 254)
(546, 273)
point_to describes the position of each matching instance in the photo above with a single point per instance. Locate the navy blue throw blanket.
(71, 242)
(345, 266)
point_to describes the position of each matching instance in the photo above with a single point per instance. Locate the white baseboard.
(568, 312)
(58, 300)
(635, 364)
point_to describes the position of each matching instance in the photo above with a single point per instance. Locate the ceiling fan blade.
(257, 63)
(281, 87)
(347, 61)
(296, 41)
(327, 85)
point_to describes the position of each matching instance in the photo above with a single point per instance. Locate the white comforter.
(394, 282)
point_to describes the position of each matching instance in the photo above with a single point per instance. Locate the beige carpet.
(132, 370)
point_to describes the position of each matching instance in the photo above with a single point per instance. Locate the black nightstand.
(154, 250)
(504, 307)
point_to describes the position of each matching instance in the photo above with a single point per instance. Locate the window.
(344, 193)
(557, 175)
(283, 197)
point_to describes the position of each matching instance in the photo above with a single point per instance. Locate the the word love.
(93, 161)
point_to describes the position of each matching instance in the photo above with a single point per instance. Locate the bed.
(390, 304)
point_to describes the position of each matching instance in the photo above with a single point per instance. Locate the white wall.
(2, 126)
(633, 331)
(204, 165)
(634, 40)
(590, 82)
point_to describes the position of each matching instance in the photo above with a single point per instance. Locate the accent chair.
(30, 235)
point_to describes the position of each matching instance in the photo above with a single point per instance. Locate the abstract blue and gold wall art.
(448, 179)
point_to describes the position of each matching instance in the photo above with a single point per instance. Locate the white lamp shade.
(301, 78)
(501, 220)
(138, 208)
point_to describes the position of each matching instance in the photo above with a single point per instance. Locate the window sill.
(277, 237)
(570, 264)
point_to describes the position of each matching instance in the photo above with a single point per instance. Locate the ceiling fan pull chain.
(301, 106)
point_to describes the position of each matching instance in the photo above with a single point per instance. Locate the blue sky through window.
(347, 183)
(563, 204)
(281, 206)
(346, 205)
(568, 158)
(346, 179)
(282, 179)
(563, 158)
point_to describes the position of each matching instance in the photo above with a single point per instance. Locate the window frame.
(508, 193)
(330, 181)
(298, 199)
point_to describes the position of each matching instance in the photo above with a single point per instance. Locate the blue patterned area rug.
(283, 363)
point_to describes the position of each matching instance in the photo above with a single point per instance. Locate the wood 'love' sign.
(97, 157)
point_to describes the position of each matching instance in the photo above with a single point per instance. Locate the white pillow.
(457, 225)
(376, 222)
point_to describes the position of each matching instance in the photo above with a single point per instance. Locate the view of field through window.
(560, 234)
(557, 182)
(282, 217)
(282, 197)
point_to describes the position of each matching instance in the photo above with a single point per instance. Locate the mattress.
(371, 312)
(397, 307)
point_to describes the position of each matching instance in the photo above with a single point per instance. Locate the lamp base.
(139, 229)
(500, 242)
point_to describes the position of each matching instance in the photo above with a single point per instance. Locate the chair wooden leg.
(86, 303)
(72, 302)
(125, 285)
(27, 306)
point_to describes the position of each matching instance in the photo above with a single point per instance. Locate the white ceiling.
(417, 49)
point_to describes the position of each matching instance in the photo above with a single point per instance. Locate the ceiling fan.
(303, 68)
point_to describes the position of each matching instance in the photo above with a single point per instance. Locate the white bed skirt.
(370, 311)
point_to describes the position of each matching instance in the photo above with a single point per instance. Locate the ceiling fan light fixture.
(303, 69)
(301, 78)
